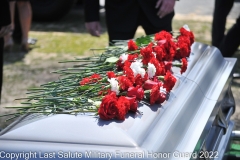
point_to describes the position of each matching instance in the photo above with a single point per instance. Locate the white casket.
(193, 122)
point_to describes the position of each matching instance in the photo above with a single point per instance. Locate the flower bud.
(149, 84)
(137, 92)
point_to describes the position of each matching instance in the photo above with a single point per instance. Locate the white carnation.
(137, 68)
(142, 72)
(114, 85)
(136, 64)
(186, 27)
(134, 72)
(124, 57)
(151, 70)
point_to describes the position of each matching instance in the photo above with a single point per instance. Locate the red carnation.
(160, 53)
(133, 103)
(162, 98)
(170, 49)
(184, 39)
(95, 77)
(132, 46)
(84, 81)
(149, 84)
(154, 94)
(113, 107)
(123, 106)
(163, 69)
(129, 73)
(137, 92)
(147, 54)
(124, 82)
(184, 48)
(108, 108)
(139, 80)
(156, 79)
(111, 74)
(132, 57)
(91, 79)
(119, 65)
(169, 81)
(184, 65)
(150, 44)
(162, 35)
(168, 66)
(127, 64)
(104, 92)
(189, 34)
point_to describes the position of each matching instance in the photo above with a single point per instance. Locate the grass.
(67, 43)
(79, 43)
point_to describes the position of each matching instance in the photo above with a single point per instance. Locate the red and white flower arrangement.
(112, 84)
(141, 74)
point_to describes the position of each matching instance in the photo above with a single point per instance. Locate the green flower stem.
(90, 57)
(66, 73)
(36, 89)
(161, 78)
(123, 93)
(36, 92)
(91, 60)
(11, 118)
(89, 90)
(17, 99)
(86, 65)
(82, 59)
(26, 107)
(8, 114)
(66, 95)
(93, 49)
(177, 64)
(147, 94)
(85, 68)
(62, 90)
(136, 51)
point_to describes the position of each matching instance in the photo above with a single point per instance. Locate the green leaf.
(83, 88)
(111, 60)
(143, 40)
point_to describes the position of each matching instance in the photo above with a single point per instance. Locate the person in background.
(124, 16)
(25, 17)
(228, 43)
(5, 28)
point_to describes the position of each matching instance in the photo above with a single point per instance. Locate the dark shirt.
(125, 10)
(4, 13)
